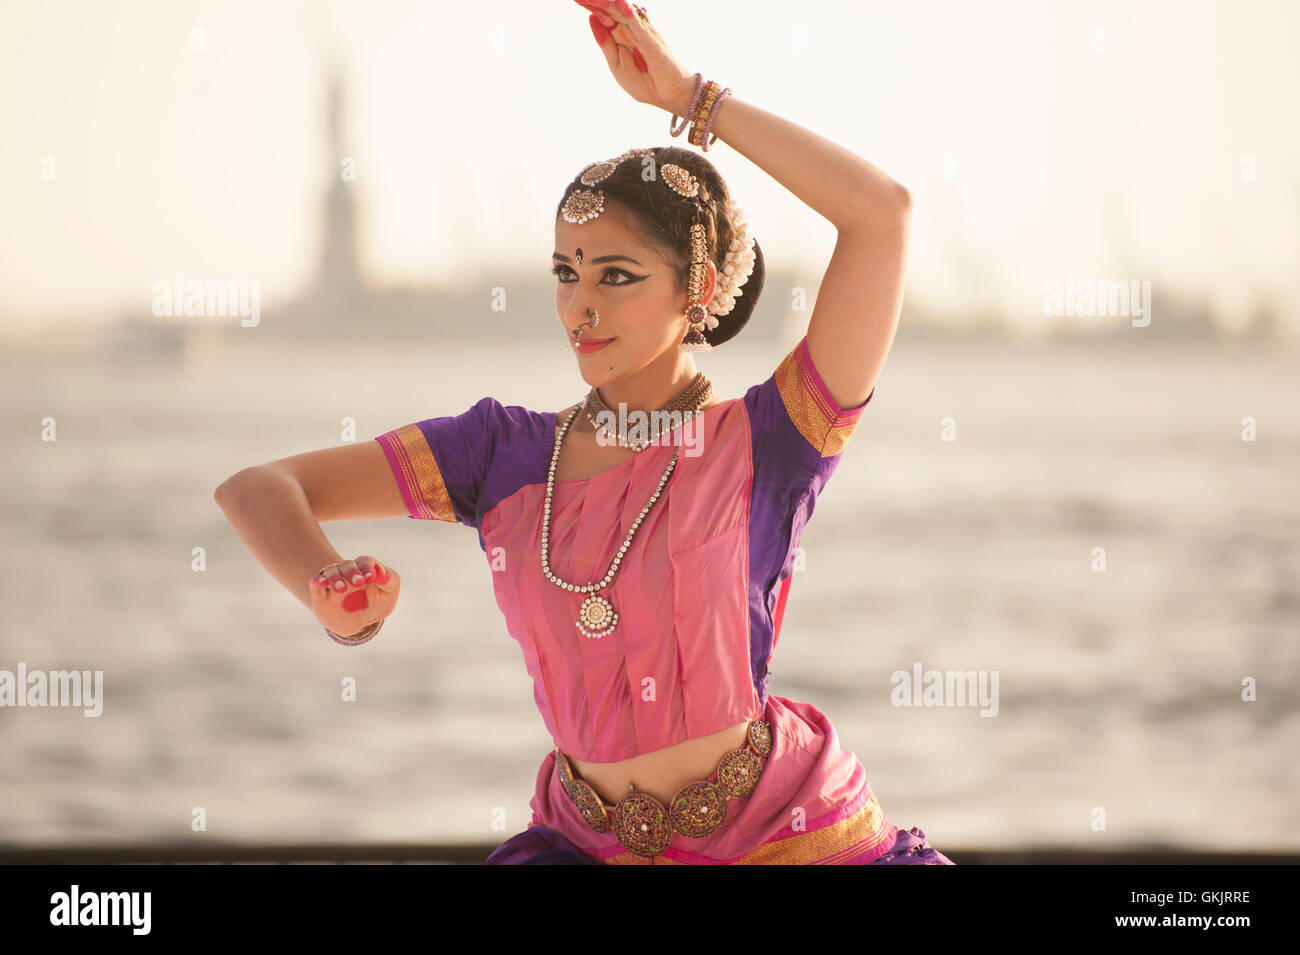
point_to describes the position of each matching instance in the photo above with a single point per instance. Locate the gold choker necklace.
(689, 403)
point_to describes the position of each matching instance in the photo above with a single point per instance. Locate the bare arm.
(277, 508)
(856, 316)
(853, 325)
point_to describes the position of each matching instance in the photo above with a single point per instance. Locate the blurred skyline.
(149, 139)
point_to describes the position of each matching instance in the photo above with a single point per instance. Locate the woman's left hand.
(638, 56)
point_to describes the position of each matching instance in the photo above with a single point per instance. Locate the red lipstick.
(588, 345)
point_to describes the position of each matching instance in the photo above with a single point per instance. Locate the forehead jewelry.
(585, 204)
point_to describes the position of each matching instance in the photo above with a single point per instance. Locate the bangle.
(690, 110)
(706, 105)
(361, 636)
(712, 113)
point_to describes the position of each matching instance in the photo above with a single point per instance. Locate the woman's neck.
(651, 388)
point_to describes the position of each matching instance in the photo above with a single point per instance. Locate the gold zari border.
(829, 845)
(824, 426)
(421, 473)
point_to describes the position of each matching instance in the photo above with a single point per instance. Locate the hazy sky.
(1029, 152)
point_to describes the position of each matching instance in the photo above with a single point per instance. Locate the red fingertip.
(598, 31)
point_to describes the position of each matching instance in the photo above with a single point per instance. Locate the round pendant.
(596, 617)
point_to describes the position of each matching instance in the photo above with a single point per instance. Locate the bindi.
(579, 256)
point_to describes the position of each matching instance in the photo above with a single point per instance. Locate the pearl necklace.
(597, 617)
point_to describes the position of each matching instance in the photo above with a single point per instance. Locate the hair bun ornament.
(738, 266)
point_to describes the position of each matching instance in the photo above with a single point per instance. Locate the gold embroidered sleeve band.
(820, 419)
(417, 473)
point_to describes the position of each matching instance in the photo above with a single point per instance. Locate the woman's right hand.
(349, 596)
(638, 56)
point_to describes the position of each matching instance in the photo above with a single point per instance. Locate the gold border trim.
(823, 424)
(421, 474)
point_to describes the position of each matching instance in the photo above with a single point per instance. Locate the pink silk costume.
(700, 596)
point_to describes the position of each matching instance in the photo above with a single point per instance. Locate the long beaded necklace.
(596, 616)
(689, 402)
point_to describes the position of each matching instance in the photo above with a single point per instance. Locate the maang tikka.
(583, 205)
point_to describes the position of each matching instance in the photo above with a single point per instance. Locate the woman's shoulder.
(512, 418)
(489, 424)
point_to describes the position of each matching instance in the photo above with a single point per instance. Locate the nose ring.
(592, 314)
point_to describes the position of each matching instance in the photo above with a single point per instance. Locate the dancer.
(641, 542)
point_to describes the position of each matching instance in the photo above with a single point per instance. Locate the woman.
(642, 541)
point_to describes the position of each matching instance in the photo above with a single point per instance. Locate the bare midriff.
(663, 772)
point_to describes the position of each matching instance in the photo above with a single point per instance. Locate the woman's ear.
(710, 287)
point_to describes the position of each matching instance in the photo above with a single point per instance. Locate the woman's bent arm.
(277, 508)
(856, 316)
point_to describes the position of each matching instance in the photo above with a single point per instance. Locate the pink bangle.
(699, 85)
(704, 140)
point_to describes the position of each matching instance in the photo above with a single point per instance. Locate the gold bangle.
(710, 90)
(700, 119)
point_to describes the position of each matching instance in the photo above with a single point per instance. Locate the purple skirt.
(538, 845)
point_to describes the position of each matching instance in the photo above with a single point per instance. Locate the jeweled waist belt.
(641, 822)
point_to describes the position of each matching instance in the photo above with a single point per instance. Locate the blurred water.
(1119, 690)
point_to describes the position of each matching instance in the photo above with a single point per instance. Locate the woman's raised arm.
(856, 316)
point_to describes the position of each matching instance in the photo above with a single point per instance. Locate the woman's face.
(641, 309)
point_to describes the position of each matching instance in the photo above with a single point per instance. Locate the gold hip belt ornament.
(641, 822)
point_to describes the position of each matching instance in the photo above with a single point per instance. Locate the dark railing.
(475, 853)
